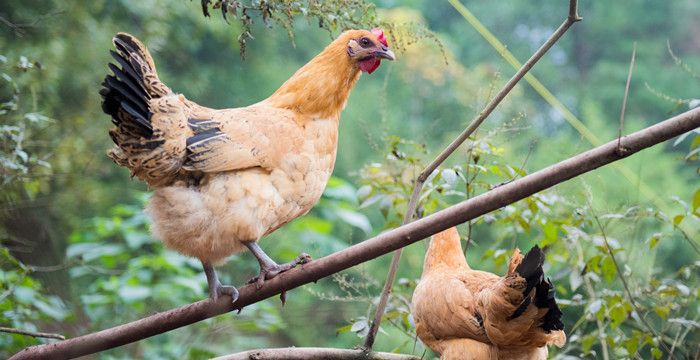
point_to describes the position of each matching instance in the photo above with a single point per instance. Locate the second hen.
(223, 179)
(468, 314)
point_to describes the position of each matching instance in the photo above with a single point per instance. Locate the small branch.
(625, 285)
(32, 333)
(475, 123)
(573, 12)
(687, 238)
(624, 100)
(369, 249)
(294, 353)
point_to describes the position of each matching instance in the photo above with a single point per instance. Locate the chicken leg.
(215, 287)
(268, 267)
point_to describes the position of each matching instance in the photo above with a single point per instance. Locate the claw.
(269, 271)
(220, 290)
(216, 290)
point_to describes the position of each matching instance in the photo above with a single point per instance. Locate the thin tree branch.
(475, 123)
(624, 99)
(294, 353)
(32, 333)
(628, 292)
(368, 249)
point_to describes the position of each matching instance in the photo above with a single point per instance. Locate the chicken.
(223, 179)
(462, 313)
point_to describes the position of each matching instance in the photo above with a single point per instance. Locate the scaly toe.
(230, 291)
(221, 290)
(303, 258)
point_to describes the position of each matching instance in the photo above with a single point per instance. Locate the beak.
(385, 53)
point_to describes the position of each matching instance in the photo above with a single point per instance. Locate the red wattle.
(369, 65)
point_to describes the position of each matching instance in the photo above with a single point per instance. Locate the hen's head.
(366, 49)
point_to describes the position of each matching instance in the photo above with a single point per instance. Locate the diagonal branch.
(368, 249)
(32, 333)
(475, 123)
(294, 353)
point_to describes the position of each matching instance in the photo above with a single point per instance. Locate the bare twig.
(624, 100)
(368, 249)
(475, 123)
(19, 28)
(687, 238)
(630, 297)
(679, 338)
(294, 353)
(32, 333)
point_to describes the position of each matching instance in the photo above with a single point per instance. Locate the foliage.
(331, 15)
(23, 304)
(17, 130)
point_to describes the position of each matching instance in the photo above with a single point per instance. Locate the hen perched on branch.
(462, 313)
(223, 179)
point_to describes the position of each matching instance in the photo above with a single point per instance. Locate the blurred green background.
(76, 255)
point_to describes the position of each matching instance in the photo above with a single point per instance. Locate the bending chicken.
(462, 313)
(223, 179)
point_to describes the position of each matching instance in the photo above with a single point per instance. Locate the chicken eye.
(364, 42)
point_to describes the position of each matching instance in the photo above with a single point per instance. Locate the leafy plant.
(20, 165)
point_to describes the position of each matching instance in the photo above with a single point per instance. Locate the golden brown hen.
(223, 179)
(462, 313)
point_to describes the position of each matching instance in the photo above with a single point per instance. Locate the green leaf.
(355, 219)
(133, 293)
(587, 343)
(677, 219)
(632, 345)
(360, 327)
(656, 353)
(654, 240)
(55, 309)
(663, 311)
(363, 192)
(550, 232)
(595, 306)
(608, 269)
(343, 329)
(617, 314)
(313, 223)
(341, 190)
(575, 279)
(593, 264)
(495, 170)
(523, 223)
(696, 200)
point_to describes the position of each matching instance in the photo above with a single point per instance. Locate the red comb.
(380, 36)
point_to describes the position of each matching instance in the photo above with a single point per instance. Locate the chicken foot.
(215, 287)
(268, 267)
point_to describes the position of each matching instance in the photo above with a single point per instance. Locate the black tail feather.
(129, 69)
(124, 94)
(130, 81)
(544, 298)
(531, 269)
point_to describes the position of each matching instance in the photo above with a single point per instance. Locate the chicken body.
(462, 313)
(223, 179)
(214, 220)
